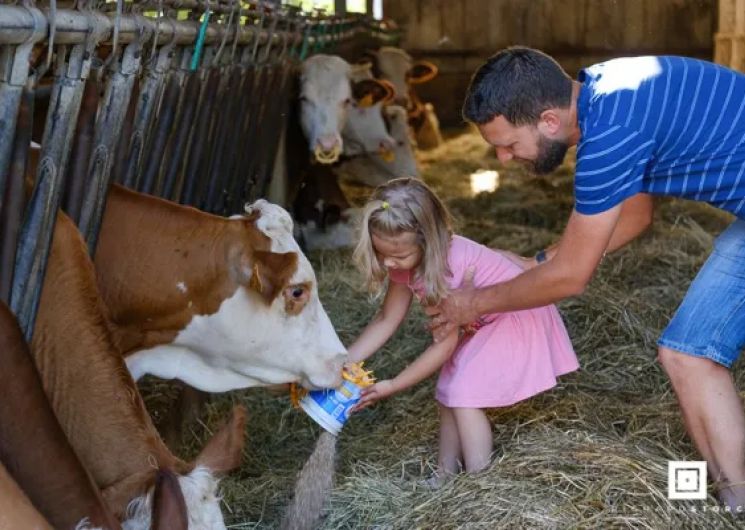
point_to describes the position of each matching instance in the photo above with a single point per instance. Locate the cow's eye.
(347, 102)
(298, 292)
(303, 99)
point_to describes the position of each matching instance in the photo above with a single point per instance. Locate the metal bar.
(150, 94)
(108, 127)
(40, 217)
(200, 132)
(149, 182)
(182, 128)
(12, 210)
(13, 75)
(85, 129)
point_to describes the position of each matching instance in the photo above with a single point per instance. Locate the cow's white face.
(365, 132)
(404, 161)
(333, 122)
(199, 489)
(248, 342)
(394, 63)
(325, 97)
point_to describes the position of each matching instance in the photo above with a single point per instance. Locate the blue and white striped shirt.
(660, 125)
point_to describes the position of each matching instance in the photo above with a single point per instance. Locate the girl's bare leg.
(474, 432)
(450, 457)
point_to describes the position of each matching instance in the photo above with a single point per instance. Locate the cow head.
(327, 97)
(270, 328)
(365, 130)
(396, 66)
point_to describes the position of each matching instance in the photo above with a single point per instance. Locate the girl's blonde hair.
(407, 205)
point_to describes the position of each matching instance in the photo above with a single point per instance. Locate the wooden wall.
(458, 35)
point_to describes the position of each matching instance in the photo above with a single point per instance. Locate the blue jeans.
(710, 322)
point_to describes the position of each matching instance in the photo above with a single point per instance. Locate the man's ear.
(549, 123)
(271, 272)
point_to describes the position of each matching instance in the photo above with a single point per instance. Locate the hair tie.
(385, 205)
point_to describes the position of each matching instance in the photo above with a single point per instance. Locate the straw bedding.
(591, 453)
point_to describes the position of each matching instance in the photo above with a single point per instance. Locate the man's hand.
(457, 309)
(380, 390)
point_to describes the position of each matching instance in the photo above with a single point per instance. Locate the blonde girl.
(407, 248)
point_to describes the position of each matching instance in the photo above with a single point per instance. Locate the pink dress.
(511, 356)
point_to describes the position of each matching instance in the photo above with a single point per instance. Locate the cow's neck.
(67, 495)
(85, 377)
(159, 264)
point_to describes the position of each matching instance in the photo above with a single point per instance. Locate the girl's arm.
(424, 366)
(384, 324)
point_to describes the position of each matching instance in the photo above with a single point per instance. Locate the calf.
(217, 303)
(98, 405)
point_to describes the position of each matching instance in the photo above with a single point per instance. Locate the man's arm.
(635, 218)
(577, 255)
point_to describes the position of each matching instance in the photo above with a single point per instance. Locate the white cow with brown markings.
(218, 303)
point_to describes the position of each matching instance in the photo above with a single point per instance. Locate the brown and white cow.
(33, 443)
(98, 405)
(33, 447)
(218, 303)
(397, 66)
(338, 115)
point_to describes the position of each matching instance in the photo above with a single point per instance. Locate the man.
(645, 125)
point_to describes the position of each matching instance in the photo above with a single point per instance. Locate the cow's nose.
(329, 142)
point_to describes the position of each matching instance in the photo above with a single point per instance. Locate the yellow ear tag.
(366, 101)
(387, 155)
(255, 281)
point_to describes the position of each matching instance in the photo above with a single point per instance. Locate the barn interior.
(592, 452)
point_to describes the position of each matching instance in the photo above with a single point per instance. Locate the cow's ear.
(368, 92)
(169, 508)
(421, 72)
(271, 272)
(224, 451)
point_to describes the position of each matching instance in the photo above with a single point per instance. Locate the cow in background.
(374, 171)
(362, 132)
(397, 66)
(97, 403)
(329, 100)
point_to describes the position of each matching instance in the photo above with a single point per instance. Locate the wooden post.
(340, 7)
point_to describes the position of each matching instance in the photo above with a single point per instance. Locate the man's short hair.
(518, 83)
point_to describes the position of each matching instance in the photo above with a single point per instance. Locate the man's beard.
(550, 155)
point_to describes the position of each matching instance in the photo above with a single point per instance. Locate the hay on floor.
(591, 453)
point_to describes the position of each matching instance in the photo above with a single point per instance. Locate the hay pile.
(591, 453)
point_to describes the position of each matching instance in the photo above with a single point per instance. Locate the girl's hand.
(380, 390)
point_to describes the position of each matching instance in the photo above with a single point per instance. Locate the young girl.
(504, 358)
